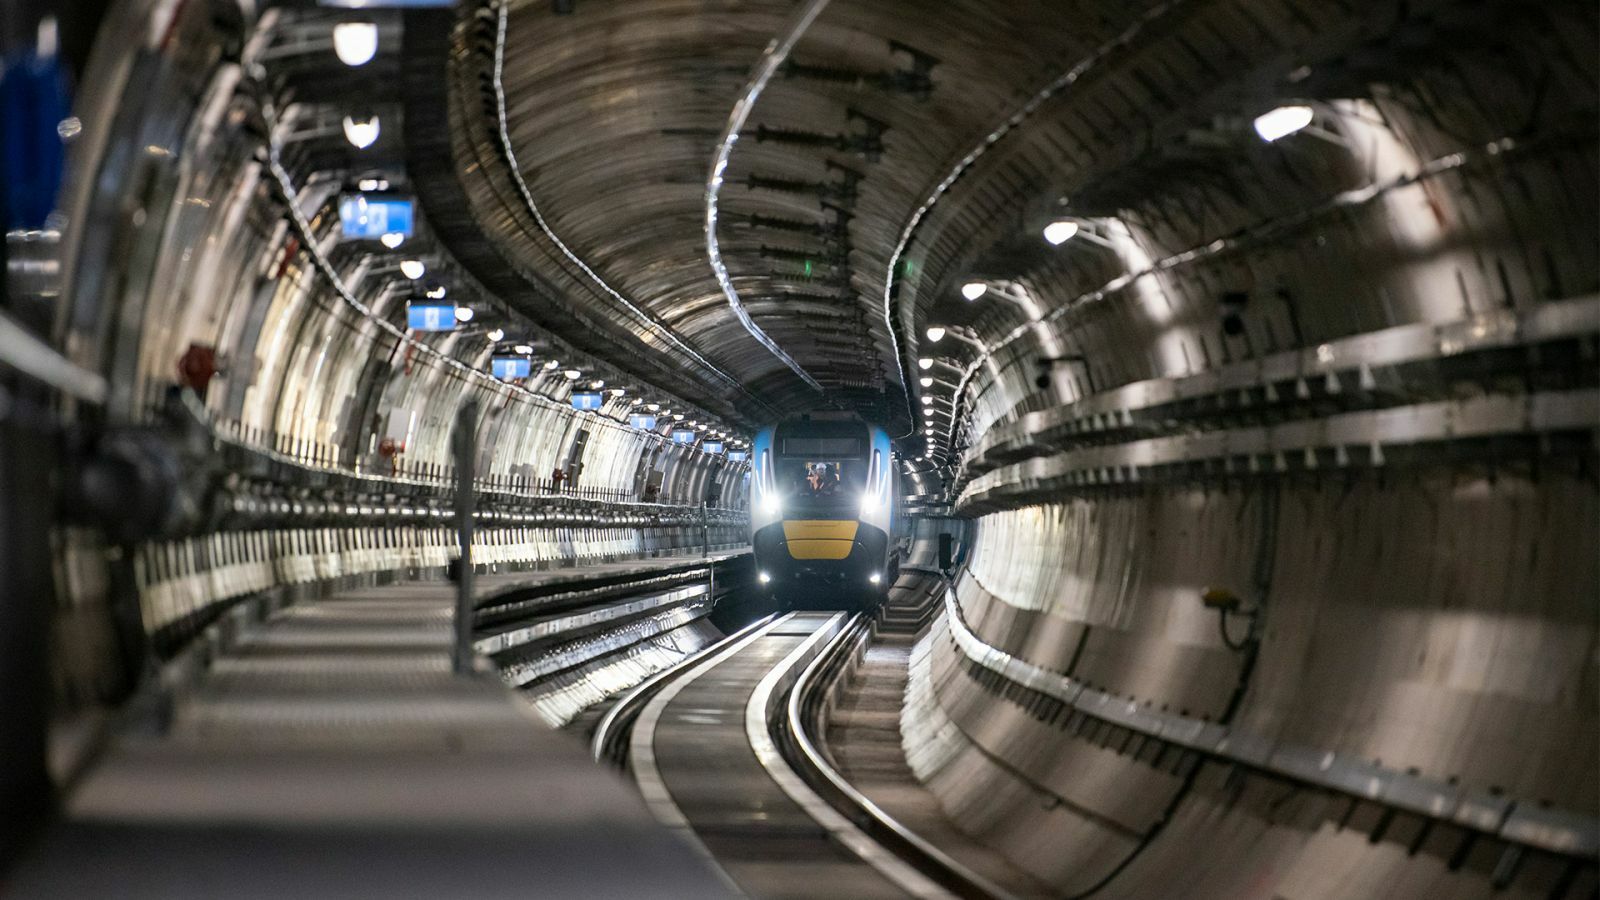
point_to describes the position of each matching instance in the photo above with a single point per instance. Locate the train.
(823, 496)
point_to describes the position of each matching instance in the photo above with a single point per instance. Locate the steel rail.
(642, 738)
(776, 727)
(805, 703)
(613, 730)
(767, 698)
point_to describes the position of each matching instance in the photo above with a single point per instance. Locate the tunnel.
(792, 448)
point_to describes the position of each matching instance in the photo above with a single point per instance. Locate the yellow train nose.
(819, 539)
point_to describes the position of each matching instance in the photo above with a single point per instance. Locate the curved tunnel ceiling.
(1341, 386)
(614, 111)
(904, 146)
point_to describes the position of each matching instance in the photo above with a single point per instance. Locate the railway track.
(726, 748)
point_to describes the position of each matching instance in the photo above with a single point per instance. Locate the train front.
(821, 506)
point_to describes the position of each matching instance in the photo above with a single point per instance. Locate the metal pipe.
(771, 58)
(466, 446)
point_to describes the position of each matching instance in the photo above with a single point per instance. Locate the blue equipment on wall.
(34, 110)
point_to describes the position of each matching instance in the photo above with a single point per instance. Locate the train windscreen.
(820, 486)
(820, 469)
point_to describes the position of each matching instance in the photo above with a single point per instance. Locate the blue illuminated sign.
(588, 400)
(738, 455)
(642, 422)
(506, 368)
(712, 446)
(685, 436)
(371, 216)
(424, 316)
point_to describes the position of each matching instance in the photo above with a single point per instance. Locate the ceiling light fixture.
(553, 364)
(936, 333)
(972, 290)
(524, 349)
(572, 374)
(1282, 122)
(392, 239)
(927, 381)
(355, 43)
(925, 363)
(497, 335)
(412, 268)
(464, 314)
(361, 134)
(436, 292)
(1060, 231)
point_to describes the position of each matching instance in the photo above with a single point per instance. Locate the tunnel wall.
(1417, 600)
(1456, 195)
(204, 215)
(1471, 668)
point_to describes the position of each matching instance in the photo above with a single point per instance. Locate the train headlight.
(874, 578)
(763, 577)
(772, 505)
(869, 505)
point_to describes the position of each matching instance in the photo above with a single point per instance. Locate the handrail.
(804, 709)
(22, 351)
(490, 488)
